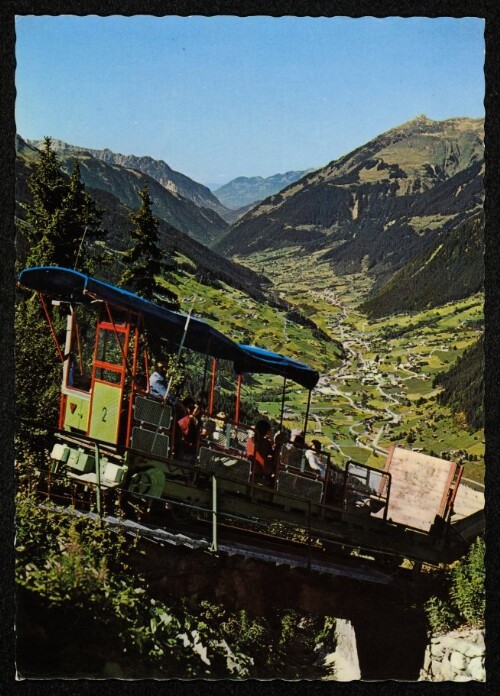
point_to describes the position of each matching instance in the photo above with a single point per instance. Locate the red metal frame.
(127, 324)
(51, 325)
(100, 364)
(76, 333)
(238, 395)
(133, 388)
(113, 367)
(122, 333)
(212, 387)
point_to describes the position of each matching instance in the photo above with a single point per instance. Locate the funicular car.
(114, 436)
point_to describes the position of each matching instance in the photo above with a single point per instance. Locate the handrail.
(319, 536)
(214, 514)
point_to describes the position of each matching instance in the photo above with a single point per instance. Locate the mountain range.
(229, 201)
(405, 207)
(114, 189)
(125, 182)
(160, 171)
(246, 192)
(379, 207)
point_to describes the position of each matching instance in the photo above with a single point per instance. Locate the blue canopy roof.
(265, 361)
(73, 286)
(65, 284)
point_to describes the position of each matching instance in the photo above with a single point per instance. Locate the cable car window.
(105, 375)
(108, 349)
(82, 350)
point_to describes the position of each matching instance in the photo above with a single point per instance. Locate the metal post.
(80, 247)
(204, 384)
(308, 535)
(98, 480)
(238, 397)
(307, 413)
(212, 387)
(181, 346)
(122, 348)
(214, 514)
(282, 404)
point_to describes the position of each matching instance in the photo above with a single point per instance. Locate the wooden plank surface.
(419, 487)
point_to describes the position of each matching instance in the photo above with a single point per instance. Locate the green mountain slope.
(232, 297)
(210, 266)
(378, 206)
(233, 216)
(201, 223)
(173, 181)
(463, 386)
(451, 269)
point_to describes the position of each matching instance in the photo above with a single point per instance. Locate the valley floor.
(382, 393)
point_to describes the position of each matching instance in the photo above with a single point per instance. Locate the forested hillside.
(379, 206)
(463, 386)
(125, 183)
(116, 230)
(451, 269)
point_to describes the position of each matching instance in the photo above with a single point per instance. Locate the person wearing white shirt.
(315, 459)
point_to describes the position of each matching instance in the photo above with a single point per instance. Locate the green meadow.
(382, 392)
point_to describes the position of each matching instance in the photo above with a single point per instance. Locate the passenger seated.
(220, 428)
(141, 382)
(335, 485)
(188, 427)
(260, 450)
(234, 440)
(315, 459)
(281, 439)
(158, 385)
(208, 429)
(292, 452)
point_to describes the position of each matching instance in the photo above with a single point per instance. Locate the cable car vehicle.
(114, 436)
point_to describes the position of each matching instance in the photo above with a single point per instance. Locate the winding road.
(355, 365)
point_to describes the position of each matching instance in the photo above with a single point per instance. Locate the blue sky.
(221, 97)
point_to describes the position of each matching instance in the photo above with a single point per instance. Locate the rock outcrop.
(455, 656)
(343, 663)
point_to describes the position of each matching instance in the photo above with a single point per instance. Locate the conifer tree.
(62, 215)
(80, 222)
(47, 188)
(144, 258)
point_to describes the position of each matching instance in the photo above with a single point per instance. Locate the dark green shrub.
(467, 591)
(465, 605)
(440, 615)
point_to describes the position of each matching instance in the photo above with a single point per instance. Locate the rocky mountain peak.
(160, 171)
(379, 204)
